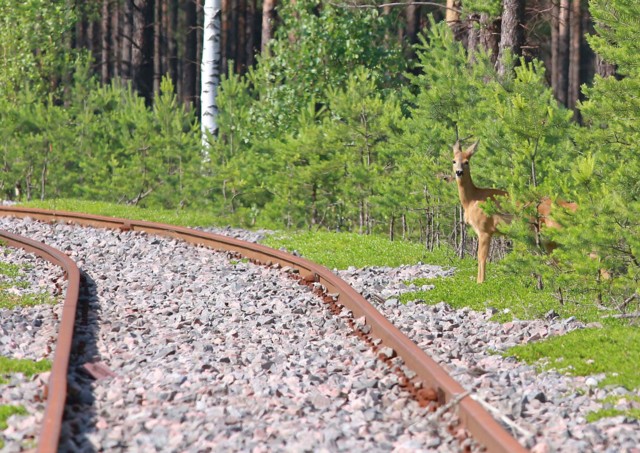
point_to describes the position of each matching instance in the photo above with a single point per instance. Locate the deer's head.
(461, 158)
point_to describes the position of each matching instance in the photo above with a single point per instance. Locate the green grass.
(7, 411)
(12, 276)
(341, 250)
(511, 296)
(191, 218)
(613, 350)
(610, 411)
(27, 367)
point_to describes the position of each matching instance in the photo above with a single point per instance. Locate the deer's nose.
(459, 173)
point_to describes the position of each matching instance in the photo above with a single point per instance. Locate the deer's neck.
(466, 189)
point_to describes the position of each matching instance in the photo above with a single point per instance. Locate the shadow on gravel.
(79, 414)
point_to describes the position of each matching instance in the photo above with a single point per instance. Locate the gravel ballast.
(200, 352)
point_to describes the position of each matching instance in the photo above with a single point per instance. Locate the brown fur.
(485, 226)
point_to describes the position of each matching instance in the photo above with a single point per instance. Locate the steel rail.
(56, 390)
(480, 424)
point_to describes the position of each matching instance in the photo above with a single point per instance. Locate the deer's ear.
(472, 149)
(456, 146)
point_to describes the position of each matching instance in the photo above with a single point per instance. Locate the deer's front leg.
(484, 242)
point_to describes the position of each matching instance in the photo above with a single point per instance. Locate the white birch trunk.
(210, 68)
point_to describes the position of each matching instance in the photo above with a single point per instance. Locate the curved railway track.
(426, 381)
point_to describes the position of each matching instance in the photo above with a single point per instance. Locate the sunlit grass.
(180, 217)
(27, 367)
(609, 409)
(614, 350)
(342, 250)
(12, 276)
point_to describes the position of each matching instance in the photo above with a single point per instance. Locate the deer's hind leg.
(484, 243)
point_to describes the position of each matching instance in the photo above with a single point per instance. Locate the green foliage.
(491, 7)
(316, 48)
(614, 350)
(7, 411)
(24, 366)
(610, 410)
(32, 54)
(603, 233)
(12, 277)
(105, 145)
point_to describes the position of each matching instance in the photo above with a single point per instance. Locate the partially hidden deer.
(485, 226)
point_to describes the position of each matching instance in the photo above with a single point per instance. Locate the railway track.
(405, 369)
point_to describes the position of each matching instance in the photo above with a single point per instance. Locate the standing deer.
(485, 225)
(471, 198)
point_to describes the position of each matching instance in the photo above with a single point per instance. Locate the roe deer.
(485, 226)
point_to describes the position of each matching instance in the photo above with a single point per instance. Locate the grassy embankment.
(613, 349)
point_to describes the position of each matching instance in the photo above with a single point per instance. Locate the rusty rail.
(477, 421)
(57, 386)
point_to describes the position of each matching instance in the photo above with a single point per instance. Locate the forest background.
(341, 116)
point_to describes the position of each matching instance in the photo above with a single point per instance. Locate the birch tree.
(210, 68)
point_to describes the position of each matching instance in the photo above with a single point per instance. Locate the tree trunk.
(268, 22)
(116, 58)
(555, 60)
(210, 68)
(563, 51)
(104, 32)
(573, 89)
(511, 35)
(125, 68)
(199, 39)
(171, 40)
(488, 38)
(250, 28)
(411, 14)
(157, 48)
(138, 45)
(225, 42)
(189, 67)
(453, 12)
(240, 36)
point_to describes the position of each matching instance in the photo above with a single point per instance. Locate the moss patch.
(613, 350)
(27, 367)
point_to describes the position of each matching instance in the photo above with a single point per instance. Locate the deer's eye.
(454, 161)
(465, 163)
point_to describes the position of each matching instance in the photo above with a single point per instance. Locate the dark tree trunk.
(157, 48)
(104, 33)
(225, 36)
(489, 36)
(241, 35)
(172, 41)
(143, 50)
(512, 33)
(573, 89)
(199, 37)
(250, 32)
(412, 12)
(125, 66)
(268, 22)
(563, 52)
(116, 58)
(555, 58)
(190, 66)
